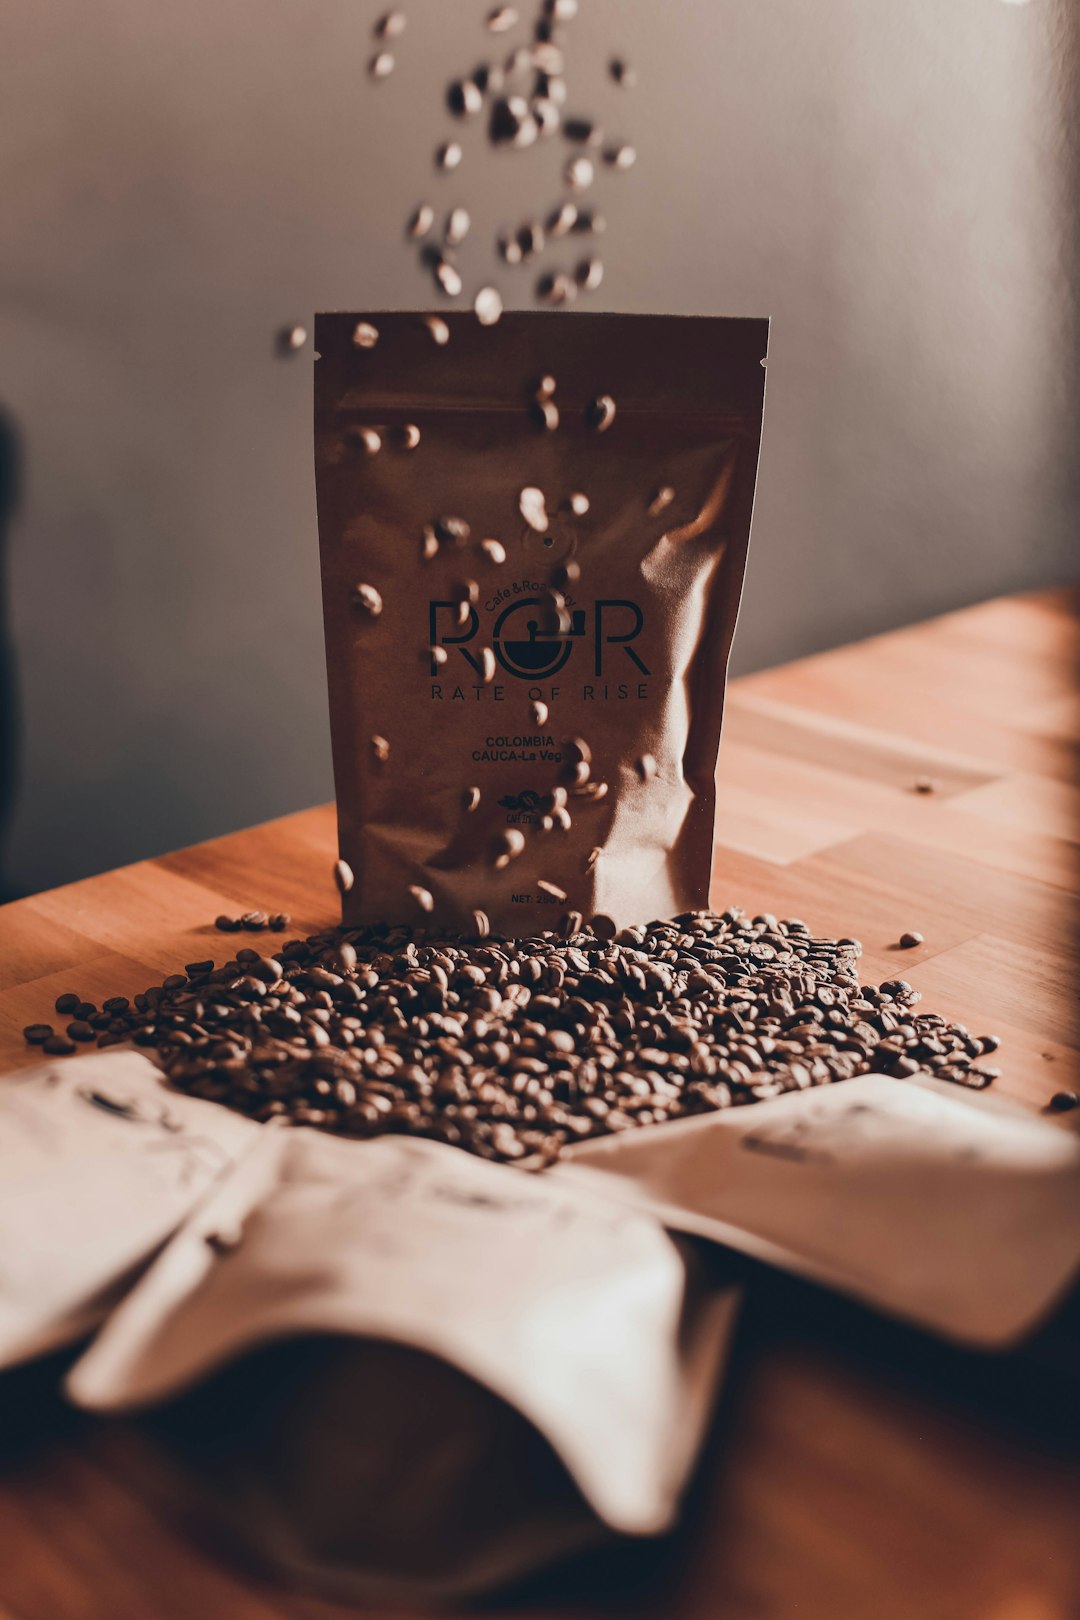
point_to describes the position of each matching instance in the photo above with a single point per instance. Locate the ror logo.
(526, 645)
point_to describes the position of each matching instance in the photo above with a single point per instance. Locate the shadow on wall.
(9, 723)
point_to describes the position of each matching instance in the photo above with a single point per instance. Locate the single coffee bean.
(58, 1045)
(565, 217)
(470, 799)
(545, 414)
(533, 509)
(925, 784)
(578, 504)
(408, 436)
(437, 327)
(620, 157)
(464, 99)
(487, 666)
(448, 156)
(224, 925)
(601, 413)
(502, 19)
(420, 222)
(381, 65)
(645, 767)
(589, 274)
(456, 228)
(510, 249)
(506, 847)
(539, 712)
(380, 749)
(280, 921)
(252, 921)
(909, 940)
(1063, 1102)
(494, 551)
(364, 439)
(661, 500)
(367, 598)
(37, 1034)
(555, 287)
(622, 72)
(67, 1003)
(550, 888)
(80, 1030)
(488, 306)
(365, 336)
(343, 876)
(448, 278)
(291, 339)
(390, 25)
(422, 896)
(579, 173)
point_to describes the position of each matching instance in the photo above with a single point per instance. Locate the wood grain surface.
(856, 1470)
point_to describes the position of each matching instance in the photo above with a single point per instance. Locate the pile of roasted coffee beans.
(512, 1048)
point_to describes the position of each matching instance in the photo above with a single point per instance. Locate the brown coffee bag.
(533, 537)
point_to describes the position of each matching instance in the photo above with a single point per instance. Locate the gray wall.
(892, 183)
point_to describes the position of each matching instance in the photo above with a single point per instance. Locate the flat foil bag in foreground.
(533, 538)
(400, 1372)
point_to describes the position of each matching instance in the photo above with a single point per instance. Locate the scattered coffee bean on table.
(909, 940)
(511, 1048)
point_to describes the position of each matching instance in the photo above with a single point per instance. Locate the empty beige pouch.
(418, 1374)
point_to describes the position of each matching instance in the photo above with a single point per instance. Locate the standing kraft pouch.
(533, 537)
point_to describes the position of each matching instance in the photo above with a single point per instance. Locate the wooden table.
(857, 1472)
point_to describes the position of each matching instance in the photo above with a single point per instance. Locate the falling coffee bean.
(545, 414)
(622, 72)
(470, 799)
(601, 413)
(502, 19)
(365, 439)
(563, 220)
(464, 99)
(555, 287)
(579, 173)
(368, 599)
(343, 876)
(646, 767)
(380, 749)
(481, 927)
(510, 249)
(551, 889)
(449, 155)
(291, 339)
(493, 550)
(487, 666)
(438, 656)
(448, 278)
(390, 25)
(661, 500)
(533, 508)
(589, 274)
(488, 306)
(506, 847)
(409, 436)
(422, 896)
(381, 66)
(620, 157)
(365, 336)
(420, 222)
(456, 228)
(438, 328)
(539, 712)
(578, 504)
